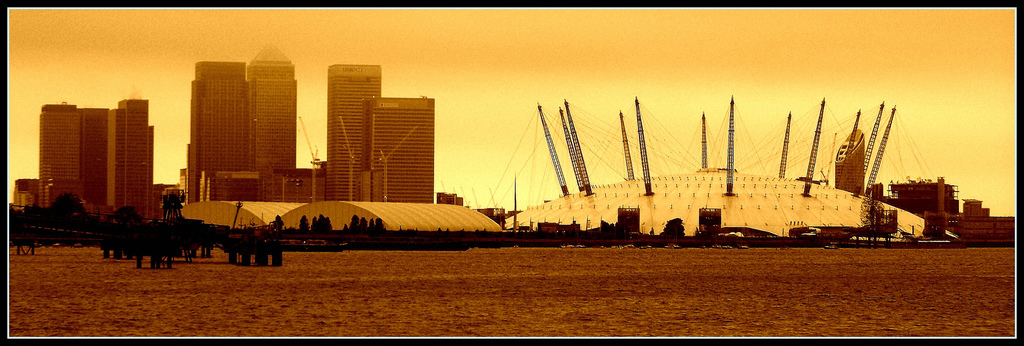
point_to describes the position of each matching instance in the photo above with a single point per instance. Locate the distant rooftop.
(270, 54)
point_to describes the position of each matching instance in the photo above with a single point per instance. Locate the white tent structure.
(769, 204)
(395, 216)
(249, 213)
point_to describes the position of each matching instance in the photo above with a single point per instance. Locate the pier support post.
(246, 257)
(276, 258)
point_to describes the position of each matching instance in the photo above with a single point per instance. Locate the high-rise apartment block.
(398, 141)
(104, 156)
(347, 87)
(220, 125)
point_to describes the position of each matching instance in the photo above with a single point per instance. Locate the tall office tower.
(272, 94)
(850, 164)
(60, 143)
(93, 155)
(397, 161)
(130, 157)
(347, 86)
(220, 124)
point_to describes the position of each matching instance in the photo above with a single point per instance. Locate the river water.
(523, 292)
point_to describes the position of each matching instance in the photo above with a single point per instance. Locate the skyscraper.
(220, 124)
(60, 143)
(347, 87)
(94, 155)
(272, 99)
(104, 156)
(398, 148)
(130, 153)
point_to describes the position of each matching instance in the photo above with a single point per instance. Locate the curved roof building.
(249, 214)
(395, 216)
(769, 204)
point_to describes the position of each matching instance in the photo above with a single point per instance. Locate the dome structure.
(395, 216)
(768, 204)
(757, 204)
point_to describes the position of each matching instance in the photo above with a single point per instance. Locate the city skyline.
(950, 73)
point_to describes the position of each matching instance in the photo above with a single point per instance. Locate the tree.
(303, 224)
(126, 215)
(674, 228)
(277, 224)
(67, 204)
(326, 224)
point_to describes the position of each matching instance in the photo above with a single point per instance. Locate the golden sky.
(951, 74)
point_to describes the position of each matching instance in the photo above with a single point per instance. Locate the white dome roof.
(405, 216)
(769, 204)
(396, 216)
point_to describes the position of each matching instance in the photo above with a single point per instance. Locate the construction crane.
(384, 158)
(625, 149)
(881, 150)
(643, 149)
(579, 152)
(809, 178)
(703, 142)
(732, 152)
(316, 161)
(785, 148)
(554, 155)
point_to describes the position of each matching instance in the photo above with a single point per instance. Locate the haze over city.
(951, 74)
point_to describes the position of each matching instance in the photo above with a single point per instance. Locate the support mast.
(703, 142)
(814, 153)
(625, 149)
(579, 152)
(554, 155)
(729, 164)
(871, 142)
(643, 150)
(572, 151)
(785, 148)
(881, 150)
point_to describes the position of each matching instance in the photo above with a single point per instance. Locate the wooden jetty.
(160, 240)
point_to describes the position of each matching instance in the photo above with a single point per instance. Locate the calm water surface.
(523, 292)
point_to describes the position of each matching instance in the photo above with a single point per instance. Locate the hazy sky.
(950, 73)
